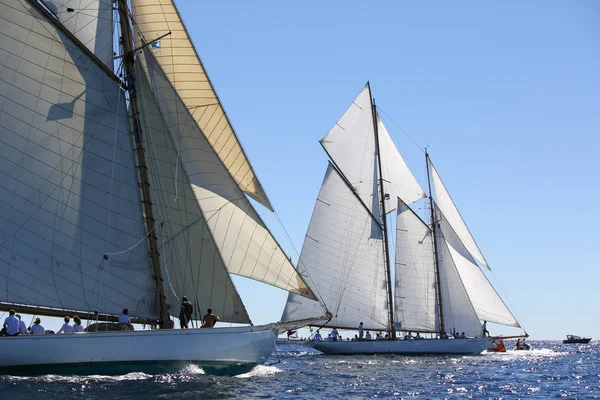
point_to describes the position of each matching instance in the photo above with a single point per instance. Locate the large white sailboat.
(123, 185)
(439, 287)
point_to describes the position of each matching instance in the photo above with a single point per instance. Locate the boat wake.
(261, 370)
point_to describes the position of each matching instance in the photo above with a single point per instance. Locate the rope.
(129, 249)
(401, 130)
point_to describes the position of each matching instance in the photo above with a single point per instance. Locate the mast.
(128, 60)
(383, 214)
(435, 249)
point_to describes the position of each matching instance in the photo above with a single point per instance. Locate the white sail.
(246, 245)
(448, 208)
(90, 21)
(487, 303)
(458, 311)
(190, 261)
(344, 261)
(177, 57)
(399, 182)
(68, 182)
(351, 146)
(415, 295)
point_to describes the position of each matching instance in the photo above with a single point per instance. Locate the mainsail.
(344, 261)
(68, 190)
(415, 295)
(177, 57)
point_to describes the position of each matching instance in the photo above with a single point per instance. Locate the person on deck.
(360, 331)
(334, 334)
(408, 336)
(368, 336)
(210, 319)
(462, 336)
(67, 327)
(77, 324)
(484, 328)
(329, 338)
(11, 324)
(418, 336)
(123, 318)
(22, 326)
(318, 337)
(38, 328)
(185, 314)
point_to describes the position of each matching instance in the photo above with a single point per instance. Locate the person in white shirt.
(22, 326)
(334, 334)
(11, 324)
(124, 318)
(368, 336)
(38, 328)
(329, 338)
(67, 327)
(418, 336)
(77, 325)
(317, 337)
(409, 336)
(360, 331)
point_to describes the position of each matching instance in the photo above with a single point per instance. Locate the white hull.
(423, 346)
(226, 350)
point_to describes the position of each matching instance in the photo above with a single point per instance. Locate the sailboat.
(439, 286)
(124, 185)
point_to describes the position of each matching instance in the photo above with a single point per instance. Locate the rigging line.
(401, 130)
(511, 308)
(131, 248)
(314, 287)
(112, 181)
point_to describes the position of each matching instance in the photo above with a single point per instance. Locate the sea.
(550, 371)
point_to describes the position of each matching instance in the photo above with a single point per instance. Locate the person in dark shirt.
(185, 315)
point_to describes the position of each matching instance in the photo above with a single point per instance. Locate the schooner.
(123, 185)
(439, 287)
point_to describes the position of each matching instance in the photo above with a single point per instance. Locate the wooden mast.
(129, 63)
(383, 217)
(435, 250)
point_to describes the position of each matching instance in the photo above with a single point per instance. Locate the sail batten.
(182, 66)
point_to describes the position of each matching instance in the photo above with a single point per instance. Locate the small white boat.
(469, 346)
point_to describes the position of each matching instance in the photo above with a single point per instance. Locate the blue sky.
(506, 94)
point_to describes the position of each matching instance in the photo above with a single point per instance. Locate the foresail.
(415, 295)
(177, 56)
(68, 182)
(488, 305)
(191, 263)
(344, 261)
(448, 208)
(399, 180)
(351, 146)
(91, 21)
(246, 245)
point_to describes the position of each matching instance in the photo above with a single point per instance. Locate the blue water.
(551, 370)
